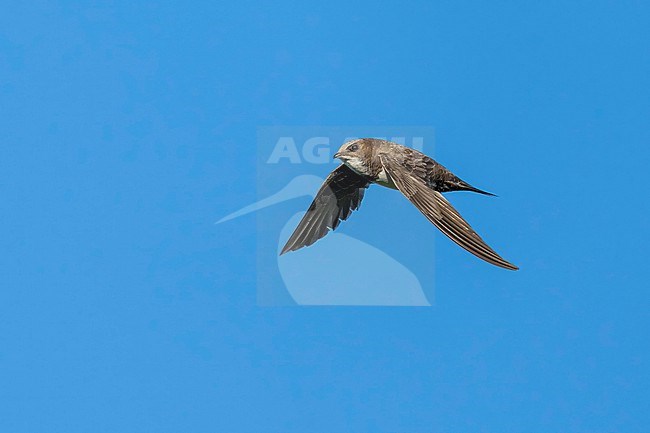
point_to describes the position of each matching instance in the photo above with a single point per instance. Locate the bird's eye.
(353, 147)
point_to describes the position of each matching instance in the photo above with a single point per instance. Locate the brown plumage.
(421, 179)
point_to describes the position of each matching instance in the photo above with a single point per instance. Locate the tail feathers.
(480, 191)
(464, 186)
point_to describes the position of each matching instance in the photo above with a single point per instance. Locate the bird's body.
(418, 164)
(418, 177)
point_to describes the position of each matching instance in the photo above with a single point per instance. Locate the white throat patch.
(357, 165)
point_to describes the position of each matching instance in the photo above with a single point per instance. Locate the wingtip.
(285, 249)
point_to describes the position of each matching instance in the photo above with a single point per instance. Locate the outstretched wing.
(440, 212)
(340, 194)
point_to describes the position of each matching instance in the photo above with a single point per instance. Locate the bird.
(419, 178)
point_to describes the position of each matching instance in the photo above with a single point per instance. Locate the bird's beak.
(337, 154)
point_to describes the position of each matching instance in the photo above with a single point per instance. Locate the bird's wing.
(340, 194)
(440, 212)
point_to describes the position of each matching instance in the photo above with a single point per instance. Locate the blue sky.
(129, 129)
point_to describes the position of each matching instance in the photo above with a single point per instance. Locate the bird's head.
(356, 154)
